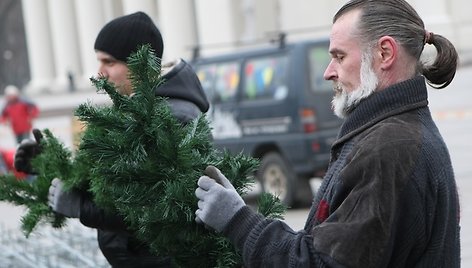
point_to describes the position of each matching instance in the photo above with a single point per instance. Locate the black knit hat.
(123, 35)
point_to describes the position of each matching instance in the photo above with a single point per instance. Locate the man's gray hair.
(398, 19)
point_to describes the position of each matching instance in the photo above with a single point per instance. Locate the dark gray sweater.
(389, 197)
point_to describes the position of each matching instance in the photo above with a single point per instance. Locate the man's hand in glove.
(218, 200)
(26, 151)
(64, 202)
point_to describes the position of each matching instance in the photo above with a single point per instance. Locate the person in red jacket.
(7, 164)
(20, 112)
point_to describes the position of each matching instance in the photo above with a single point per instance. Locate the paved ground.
(72, 246)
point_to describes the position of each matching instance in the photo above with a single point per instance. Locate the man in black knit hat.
(114, 44)
(118, 39)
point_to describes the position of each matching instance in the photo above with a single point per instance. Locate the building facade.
(60, 33)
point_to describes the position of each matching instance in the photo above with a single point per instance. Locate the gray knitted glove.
(64, 202)
(218, 200)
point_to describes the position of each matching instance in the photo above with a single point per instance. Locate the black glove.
(26, 151)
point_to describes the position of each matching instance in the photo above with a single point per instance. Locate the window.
(206, 75)
(220, 81)
(266, 78)
(319, 59)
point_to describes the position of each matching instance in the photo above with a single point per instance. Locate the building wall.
(13, 57)
(60, 33)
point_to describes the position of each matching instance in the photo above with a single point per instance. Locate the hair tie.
(428, 37)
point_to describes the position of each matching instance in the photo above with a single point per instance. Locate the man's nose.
(102, 70)
(329, 73)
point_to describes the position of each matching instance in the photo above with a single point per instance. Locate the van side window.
(319, 60)
(220, 81)
(266, 78)
(206, 75)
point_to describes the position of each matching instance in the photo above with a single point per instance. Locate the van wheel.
(277, 178)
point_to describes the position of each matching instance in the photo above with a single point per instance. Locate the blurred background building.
(46, 49)
(46, 46)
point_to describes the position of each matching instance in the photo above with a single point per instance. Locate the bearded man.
(389, 197)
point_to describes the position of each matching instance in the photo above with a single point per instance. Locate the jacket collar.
(399, 98)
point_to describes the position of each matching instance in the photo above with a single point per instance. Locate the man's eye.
(108, 62)
(340, 57)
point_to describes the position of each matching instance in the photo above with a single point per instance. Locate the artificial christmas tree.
(137, 160)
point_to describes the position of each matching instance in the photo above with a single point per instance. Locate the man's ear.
(388, 52)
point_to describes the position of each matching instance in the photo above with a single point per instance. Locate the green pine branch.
(54, 161)
(137, 160)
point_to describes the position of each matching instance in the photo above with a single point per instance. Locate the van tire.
(277, 178)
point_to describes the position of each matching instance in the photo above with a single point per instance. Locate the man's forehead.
(344, 27)
(347, 21)
(102, 55)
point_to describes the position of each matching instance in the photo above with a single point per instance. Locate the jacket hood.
(181, 82)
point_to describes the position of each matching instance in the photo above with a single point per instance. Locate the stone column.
(65, 42)
(218, 31)
(112, 9)
(40, 54)
(178, 28)
(147, 6)
(90, 19)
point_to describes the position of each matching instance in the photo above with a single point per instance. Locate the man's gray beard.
(344, 102)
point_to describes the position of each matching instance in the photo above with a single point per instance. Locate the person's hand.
(64, 202)
(26, 151)
(218, 200)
